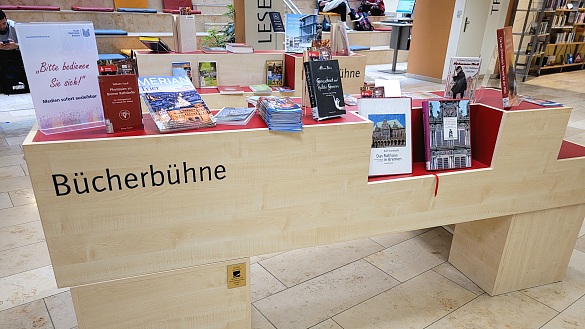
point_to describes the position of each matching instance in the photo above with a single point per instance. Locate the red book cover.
(506, 65)
(230, 90)
(121, 102)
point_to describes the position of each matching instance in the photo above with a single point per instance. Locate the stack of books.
(281, 113)
(261, 89)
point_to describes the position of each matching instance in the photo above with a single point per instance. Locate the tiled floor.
(394, 281)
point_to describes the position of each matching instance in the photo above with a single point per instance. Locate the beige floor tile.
(415, 256)
(11, 172)
(15, 183)
(450, 272)
(572, 318)
(33, 315)
(19, 215)
(61, 309)
(22, 197)
(580, 244)
(25, 258)
(562, 294)
(389, 240)
(414, 304)
(25, 168)
(582, 231)
(5, 201)
(10, 150)
(300, 265)
(28, 286)
(11, 160)
(259, 321)
(264, 284)
(256, 259)
(21, 235)
(512, 310)
(316, 300)
(15, 141)
(327, 324)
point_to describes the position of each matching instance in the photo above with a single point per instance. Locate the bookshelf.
(552, 38)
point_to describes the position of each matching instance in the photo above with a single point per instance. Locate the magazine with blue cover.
(174, 103)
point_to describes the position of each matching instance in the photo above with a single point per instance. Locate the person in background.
(11, 65)
(8, 38)
(372, 7)
(340, 7)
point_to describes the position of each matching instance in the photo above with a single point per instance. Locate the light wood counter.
(518, 211)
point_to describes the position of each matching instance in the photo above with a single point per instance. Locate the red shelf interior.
(571, 150)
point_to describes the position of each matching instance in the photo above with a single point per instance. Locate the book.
(281, 114)
(182, 69)
(391, 148)
(207, 74)
(117, 66)
(420, 95)
(274, 73)
(230, 90)
(462, 77)
(506, 67)
(174, 103)
(239, 48)
(155, 44)
(324, 89)
(540, 101)
(234, 115)
(214, 50)
(300, 32)
(261, 89)
(121, 102)
(446, 125)
(283, 89)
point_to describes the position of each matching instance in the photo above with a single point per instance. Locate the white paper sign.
(60, 60)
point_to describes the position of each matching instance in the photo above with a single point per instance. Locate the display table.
(149, 230)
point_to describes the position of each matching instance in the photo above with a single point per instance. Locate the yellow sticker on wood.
(236, 275)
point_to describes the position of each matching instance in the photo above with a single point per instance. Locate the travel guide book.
(174, 103)
(506, 67)
(447, 135)
(207, 74)
(391, 147)
(230, 90)
(261, 89)
(325, 89)
(462, 77)
(300, 32)
(274, 73)
(182, 69)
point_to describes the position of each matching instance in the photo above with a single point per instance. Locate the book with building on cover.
(506, 67)
(391, 148)
(207, 74)
(274, 73)
(121, 102)
(300, 32)
(462, 77)
(447, 135)
(174, 103)
(324, 89)
(182, 69)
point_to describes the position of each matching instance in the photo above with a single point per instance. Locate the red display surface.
(571, 150)
(489, 97)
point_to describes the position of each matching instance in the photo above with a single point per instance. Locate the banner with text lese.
(60, 60)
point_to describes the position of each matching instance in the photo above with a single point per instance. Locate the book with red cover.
(121, 102)
(506, 65)
(230, 90)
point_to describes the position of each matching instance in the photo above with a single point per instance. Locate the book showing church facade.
(391, 147)
(447, 134)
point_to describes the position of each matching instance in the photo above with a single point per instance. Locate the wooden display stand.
(140, 252)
